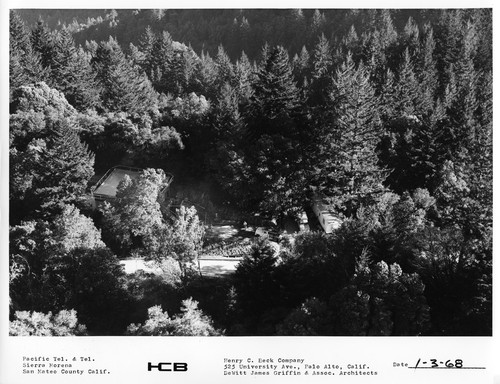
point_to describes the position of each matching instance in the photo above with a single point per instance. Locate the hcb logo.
(168, 367)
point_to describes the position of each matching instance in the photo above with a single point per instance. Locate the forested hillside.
(236, 29)
(387, 114)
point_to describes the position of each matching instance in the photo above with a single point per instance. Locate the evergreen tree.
(264, 55)
(301, 66)
(225, 70)
(255, 284)
(273, 127)
(276, 97)
(244, 72)
(207, 76)
(161, 61)
(411, 148)
(388, 101)
(227, 119)
(376, 54)
(124, 87)
(145, 50)
(318, 22)
(73, 74)
(181, 77)
(388, 33)
(322, 58)
(381, 300)
(320, 76)
(383, 43)
(406, 95)
(449, 37)
(482, 20)
(54, 171)
(24, 63)
(410, 39)
(66, 167)
(347, 170)
(428, 77)
(42, 42)
(352, 43)
(465, 104)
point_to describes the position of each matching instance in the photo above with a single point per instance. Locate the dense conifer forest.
(385, 114)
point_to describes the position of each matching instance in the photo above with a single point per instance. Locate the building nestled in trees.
(387, 114)
(327, 218)
(107, 186)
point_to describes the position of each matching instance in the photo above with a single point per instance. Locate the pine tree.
(226, 140)
(377, 60)
(385, 39)
(275, 138)
(73, 74)
(411, 149)
(42, 41)
(146, 47)
(265, 51)
(181, 76)
(406, 95)
(410, 38)
(351, 43)
(347, 164)
(225, 69)
(56, 168)
(24, 64)
(381, 300)
(125, 88)
(227, 118)
(482, 20)
(66, 167)
(449, 36)
(321, 79)
(388, 33)
(388, 100)
(465, 102)
(161, 61)
(254, 282)
(318, 22)
(207, 76)
(276, 97)
(244, 72)
(427, 74)
(301, 66)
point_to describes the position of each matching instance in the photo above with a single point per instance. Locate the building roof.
(107, 186)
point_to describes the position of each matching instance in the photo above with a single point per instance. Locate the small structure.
(107, 186)
(325, 214)
(303, 222)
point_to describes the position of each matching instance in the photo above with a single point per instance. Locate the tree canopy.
(385, 114)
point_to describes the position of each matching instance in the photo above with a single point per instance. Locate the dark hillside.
(236, 29)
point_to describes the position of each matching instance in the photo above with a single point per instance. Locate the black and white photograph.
(253, 172)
